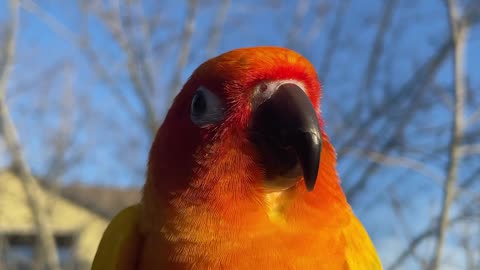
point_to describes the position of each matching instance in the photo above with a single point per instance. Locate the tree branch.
(217, 26)
(299, 15)
(87, 50)
(404, 162)
(416, 241)
(8, 48)
(377, 47)
(185, 46)
(45, 234)
(416, 83)
(459, 35)
(333, 36)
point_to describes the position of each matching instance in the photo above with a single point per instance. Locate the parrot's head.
(247, 120)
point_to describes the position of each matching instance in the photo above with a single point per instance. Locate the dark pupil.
(199, 103)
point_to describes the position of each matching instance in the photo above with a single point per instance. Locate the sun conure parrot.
(241, 175)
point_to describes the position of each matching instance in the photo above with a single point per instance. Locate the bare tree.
(45, 235)
(386, 100)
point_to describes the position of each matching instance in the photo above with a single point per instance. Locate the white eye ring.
(206, 108)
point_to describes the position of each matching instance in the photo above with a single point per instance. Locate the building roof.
(106, 201)
(16, 217)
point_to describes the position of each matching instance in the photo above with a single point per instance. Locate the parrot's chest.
(278, 248)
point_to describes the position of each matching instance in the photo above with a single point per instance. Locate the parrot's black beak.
(286, 132)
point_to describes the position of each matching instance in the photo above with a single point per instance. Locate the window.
(66, 252)
(20, 251)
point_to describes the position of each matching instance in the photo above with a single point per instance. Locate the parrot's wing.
(361, 254)
(121, 242)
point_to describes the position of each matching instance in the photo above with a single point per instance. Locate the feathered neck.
(224, 186)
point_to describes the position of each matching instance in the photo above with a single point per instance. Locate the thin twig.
(216, 29)
(417, 240)
(416, 83)
(299, 15)
(185, 47)
(333, 36)
(470, 149)
(404, 162)
(378, 47)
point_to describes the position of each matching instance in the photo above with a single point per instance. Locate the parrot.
(241, 175)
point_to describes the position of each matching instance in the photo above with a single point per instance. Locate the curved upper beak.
(286, 132)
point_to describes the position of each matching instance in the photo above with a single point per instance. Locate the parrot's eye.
(206, 108)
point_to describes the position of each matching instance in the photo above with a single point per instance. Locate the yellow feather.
(121, 242)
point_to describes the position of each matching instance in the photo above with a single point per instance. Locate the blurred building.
(77, 229)
(106, 201)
